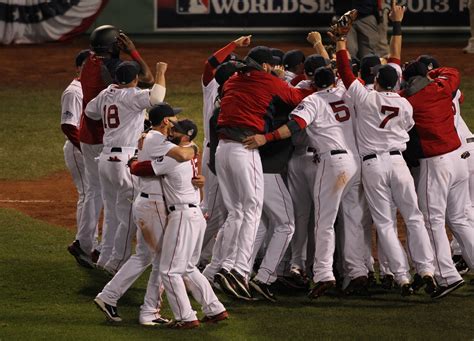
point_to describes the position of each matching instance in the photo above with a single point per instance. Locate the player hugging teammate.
(301, 157)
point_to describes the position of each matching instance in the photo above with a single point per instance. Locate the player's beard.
(175, 140)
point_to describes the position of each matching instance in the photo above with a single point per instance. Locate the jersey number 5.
(339, 107)
(111, 116)
(391, 111)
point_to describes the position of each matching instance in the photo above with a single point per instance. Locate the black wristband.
(397, 28)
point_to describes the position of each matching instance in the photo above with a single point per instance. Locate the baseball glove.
(342, 27)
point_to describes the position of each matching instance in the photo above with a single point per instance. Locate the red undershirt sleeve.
(301, 122)
(344, 68)
(214, 61)
(142, 168)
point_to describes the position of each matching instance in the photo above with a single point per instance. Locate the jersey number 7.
(391, 111)
(111, 116)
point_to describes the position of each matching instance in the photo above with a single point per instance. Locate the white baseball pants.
(118, 192)
(337, 177)
(278, 210)
(239, 171)
(93, 198)
(182, 244)
(150, 216)
(443, 196)
(301, 174)
(388, 183)
(216, 214)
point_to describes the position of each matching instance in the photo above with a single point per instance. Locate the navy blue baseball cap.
(186, 127)
(293, 58)
(366, 64)
(324, 77)
(314, 62)
(262, 54)
(158, 112)
(126, 72)
(277, 53)
(430, 62)
(387, 76)
(224, 71)
(414, 68)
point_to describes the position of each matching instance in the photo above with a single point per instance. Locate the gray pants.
(363, 37)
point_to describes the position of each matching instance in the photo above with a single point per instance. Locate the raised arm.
(396, 16)
(218, 57)
(145, 77)
(314, 38)
(343, 64)
(158, 91)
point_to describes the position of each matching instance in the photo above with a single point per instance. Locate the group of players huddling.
(301, 157)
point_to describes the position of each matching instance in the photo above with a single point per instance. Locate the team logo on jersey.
(67, 114)
(300, 107)
(192, 6)
(160, 159)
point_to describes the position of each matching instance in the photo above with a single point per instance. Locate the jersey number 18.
(111, 117)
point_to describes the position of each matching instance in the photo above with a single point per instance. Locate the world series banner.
(294, 15)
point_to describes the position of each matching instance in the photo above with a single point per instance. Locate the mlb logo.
(192, 6)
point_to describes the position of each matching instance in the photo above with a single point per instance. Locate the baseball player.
(97, 73)
(182, 240)
(293, 62)
(71, 110)
(247, 97)
(150, 216)
(121, 109)
(212, 203)
(443, 191)
(382, 124)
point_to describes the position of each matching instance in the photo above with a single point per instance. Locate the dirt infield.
(52, 199)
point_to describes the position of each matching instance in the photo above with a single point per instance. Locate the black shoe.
(221, 278)
(417, 283)
(320, 288)
(299, 278)
(110, 311)
(443, 291)
(387, 282)
(95, 256)
(240, 283)
(263, 289)
(358, 286)
(81, 257)
(406, 290)
(461, 265)
(430, 284)
(372, 281)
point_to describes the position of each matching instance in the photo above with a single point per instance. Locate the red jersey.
(249, 97)
(434, 132)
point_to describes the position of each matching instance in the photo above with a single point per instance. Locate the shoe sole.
(261, 292)
(101, 306)
(153, 324)
(226, 287)
(463, 271)
(241, 287)
(81, 260)
(219, 318)
(448, 291)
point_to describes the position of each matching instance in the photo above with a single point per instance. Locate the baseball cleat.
(320, 288)
(240, 283)
(183, 324)
(111, 312)
(153, 320)
(81, 257)
(406, 290)
(387, 282)
(430, 284)
(95, 256)
(461, 265)
(222, 280)
(372, 281)
(358, 286)
(263, 289)
(216, 318)
(299, 278)
(442, 291)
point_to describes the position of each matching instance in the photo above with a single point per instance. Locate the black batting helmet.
(104, 39)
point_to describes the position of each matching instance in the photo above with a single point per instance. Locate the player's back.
(383, 121)
(122, 114)
(329, 120)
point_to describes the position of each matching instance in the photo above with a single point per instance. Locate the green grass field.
(45, 295)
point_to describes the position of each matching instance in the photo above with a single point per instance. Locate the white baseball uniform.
(467, 140)
(182, 241)
(149, 212)
(71, 111)
(337, 181)
(122, 113)
(383, 119)
(212, 204)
